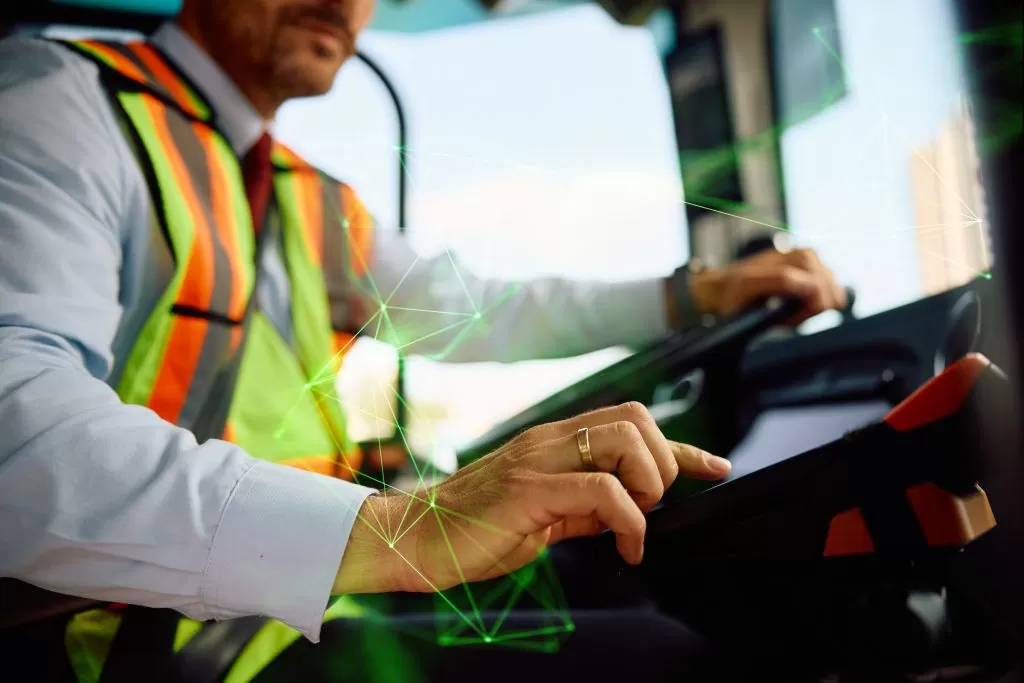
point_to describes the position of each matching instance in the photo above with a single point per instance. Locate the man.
(166, 313)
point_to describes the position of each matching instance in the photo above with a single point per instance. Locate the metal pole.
(400, 410)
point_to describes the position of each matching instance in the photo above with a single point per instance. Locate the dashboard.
(758, 393)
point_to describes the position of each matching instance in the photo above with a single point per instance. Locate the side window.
(557, 160)
(883, 181)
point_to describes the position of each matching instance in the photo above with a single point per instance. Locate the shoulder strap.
(138, 65)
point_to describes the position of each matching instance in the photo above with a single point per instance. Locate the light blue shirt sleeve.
(98, 498)
(440, 309)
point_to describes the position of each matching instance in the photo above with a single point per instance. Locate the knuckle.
(790, 277)
(673, 468)
(627, 430)
(634, 409)
(805, 257)
(532, 434)
(518, 479)
(520, 448)
(604, 483)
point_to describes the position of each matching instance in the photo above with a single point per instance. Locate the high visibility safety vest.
(284, 407)
(278, 400)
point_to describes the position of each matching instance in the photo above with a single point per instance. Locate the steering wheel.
(631, 378)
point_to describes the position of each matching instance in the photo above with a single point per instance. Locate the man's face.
(293, 47)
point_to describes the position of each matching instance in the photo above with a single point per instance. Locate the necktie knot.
(257, 173)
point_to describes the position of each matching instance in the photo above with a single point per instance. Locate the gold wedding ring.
(583, 444)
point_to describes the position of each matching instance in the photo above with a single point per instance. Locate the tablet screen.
(784, 432)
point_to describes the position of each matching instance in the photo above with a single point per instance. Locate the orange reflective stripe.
(343, 342)
(170, 390)
(197, 287)
(114, 59)
(229, 432)
(170, 81)
(187, 334)
(359, 230)
(327, 465)
(286, 158)
(310, 204)
(225, 220)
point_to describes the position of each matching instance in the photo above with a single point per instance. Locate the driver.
(164, 441)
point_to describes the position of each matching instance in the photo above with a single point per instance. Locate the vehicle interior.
(871, 529)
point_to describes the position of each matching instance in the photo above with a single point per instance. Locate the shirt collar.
(241, 124)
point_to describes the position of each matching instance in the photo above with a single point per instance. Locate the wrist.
(369, 564)
(690, 295)
(703, 286)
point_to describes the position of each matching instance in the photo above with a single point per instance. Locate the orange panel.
(940, 396)
(848, 535)
(947, 519)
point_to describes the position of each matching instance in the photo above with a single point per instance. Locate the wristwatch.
(682, 292)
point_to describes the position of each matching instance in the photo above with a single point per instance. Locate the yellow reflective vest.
(204, 360)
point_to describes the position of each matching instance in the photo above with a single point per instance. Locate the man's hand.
(500, 512)
(800, 273)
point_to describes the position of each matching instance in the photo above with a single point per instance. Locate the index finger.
(699, 464)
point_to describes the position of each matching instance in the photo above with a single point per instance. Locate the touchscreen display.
(782, 433)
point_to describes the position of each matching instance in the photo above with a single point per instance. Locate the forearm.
(105, 500)
(437, 309)
(558, 318)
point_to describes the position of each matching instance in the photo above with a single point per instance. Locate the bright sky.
(848, 182)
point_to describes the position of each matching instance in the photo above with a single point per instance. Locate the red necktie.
(258, 173)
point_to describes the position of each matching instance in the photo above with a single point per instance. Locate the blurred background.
(615, 139)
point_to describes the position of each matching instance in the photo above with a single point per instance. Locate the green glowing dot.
(488, 639)
(570, 627)
(391, 544)
(383, 306)
(433, 504)
(477, 315)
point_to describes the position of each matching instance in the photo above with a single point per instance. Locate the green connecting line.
(835, 55)
(458, 568)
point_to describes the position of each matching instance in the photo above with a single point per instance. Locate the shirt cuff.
(280, 541)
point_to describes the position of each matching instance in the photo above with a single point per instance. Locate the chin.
(308, 77)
